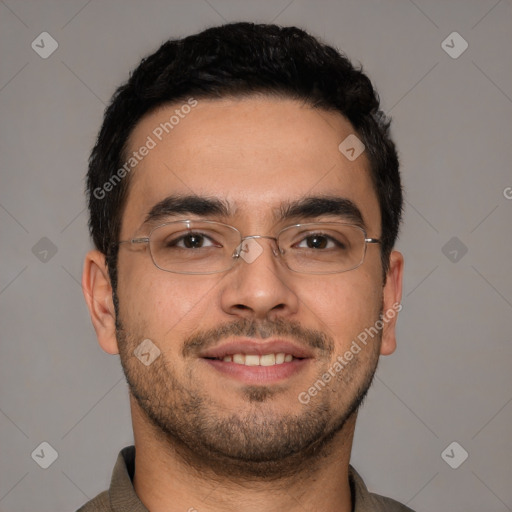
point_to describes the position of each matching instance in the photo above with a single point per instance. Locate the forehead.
(255, 154)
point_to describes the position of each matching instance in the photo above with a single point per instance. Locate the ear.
(98, 296)
(392, 295)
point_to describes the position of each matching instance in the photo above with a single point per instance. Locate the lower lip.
(258, 374)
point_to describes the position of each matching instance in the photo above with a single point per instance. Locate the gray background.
(450, 378)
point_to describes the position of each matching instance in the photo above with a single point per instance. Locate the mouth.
(258, 362)
(271, 359)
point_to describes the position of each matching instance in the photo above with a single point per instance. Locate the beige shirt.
(121, 496)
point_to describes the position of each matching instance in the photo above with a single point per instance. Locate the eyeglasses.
(209, 247)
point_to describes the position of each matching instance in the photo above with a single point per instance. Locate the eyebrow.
(195, 205)
(321, 206)
(306, 208)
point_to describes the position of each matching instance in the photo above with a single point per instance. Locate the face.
(255, 157)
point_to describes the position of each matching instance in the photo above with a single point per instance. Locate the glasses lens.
(322, 248)
(193, 247)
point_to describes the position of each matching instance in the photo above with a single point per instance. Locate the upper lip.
(248, 346)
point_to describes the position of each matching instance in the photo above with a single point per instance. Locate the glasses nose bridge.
(276, 250)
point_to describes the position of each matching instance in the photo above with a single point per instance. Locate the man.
(244, 201)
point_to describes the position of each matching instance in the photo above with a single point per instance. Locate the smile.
(258, 360)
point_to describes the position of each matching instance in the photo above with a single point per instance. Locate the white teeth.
(239, 359)
(256, 360)
(268, 360)
(252, 360)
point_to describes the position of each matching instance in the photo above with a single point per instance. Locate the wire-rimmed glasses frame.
(347, 252)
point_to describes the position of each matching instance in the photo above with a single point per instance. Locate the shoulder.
(383, 504)
(365, 501)
(99, 504)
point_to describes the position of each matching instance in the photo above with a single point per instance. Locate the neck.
(171, 480)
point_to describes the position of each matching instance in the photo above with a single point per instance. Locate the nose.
(259, 285)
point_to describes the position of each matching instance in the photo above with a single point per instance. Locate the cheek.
(167, 305)
(183, 303)
(343, 305)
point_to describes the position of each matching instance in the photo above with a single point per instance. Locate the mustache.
(263, 329)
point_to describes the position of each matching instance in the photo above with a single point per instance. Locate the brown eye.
(316, 242)
(193, 241)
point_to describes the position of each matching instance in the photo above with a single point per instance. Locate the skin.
(233, 149)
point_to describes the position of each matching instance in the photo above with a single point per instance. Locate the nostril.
(241, 306)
